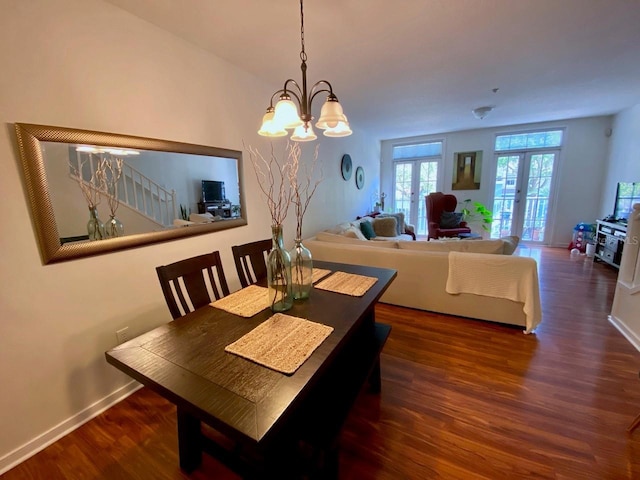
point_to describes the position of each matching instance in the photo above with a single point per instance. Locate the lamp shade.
(331, 114)
(269, 128)
(304, 133)
(286, 114)
(341, 129)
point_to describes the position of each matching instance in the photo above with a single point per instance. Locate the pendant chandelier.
(285, 116)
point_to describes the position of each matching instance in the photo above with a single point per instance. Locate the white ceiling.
(412, 67)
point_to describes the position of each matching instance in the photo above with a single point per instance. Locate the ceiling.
(412, 67)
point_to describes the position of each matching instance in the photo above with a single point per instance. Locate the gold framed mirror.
(157, 187)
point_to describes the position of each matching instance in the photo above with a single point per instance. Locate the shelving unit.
(610, 237)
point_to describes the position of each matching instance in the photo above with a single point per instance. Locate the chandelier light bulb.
(269, 128)
(286, 113)
(303, 133)
(341, 129)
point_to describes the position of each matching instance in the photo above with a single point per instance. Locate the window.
(415, 174)
(418, 150)
(530, 140)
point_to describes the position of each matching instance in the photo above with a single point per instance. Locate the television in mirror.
(213, 191)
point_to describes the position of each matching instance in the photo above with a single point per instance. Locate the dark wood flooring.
(461, 399)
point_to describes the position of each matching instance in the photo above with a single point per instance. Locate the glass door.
(514, 213)
(413, 180)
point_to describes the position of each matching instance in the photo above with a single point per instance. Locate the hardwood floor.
(461, 399)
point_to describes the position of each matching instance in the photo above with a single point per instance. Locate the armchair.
(437, 203)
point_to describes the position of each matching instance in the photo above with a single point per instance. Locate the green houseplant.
(476, 212)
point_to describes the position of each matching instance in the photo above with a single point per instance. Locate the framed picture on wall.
(467, 170)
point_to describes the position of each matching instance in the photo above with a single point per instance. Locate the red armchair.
(437, 203)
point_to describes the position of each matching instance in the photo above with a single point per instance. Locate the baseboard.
(45, 439)
(626, 332)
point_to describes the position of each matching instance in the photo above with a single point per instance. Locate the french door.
(523, 193)
(413, 180)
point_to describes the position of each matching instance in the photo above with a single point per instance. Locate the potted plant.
(476, 212)
(184, 212)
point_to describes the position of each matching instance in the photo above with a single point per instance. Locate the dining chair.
(187, 279)
(250, 261)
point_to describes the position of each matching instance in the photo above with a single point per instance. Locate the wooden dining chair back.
(250, 261)
(192, 279)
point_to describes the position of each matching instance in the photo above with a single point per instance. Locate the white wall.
(87, 64)
(580, 169)
(624, 156)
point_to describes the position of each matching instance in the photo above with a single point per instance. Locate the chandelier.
(285, 116)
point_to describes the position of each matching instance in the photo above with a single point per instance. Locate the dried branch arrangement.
(303, 185)
(112, 169)
(90, 189)
(273, 177)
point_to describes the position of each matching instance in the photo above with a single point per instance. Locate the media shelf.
(216, 208)
(610, 237)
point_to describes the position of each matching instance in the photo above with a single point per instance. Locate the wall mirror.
(94, 192)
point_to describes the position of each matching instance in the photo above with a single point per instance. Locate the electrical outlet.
(122, 335)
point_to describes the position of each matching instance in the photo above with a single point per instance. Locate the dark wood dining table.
(268, 414)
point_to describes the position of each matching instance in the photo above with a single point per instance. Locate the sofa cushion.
(385, 226)
(354, 232)
(367, 230)
(339, 229)
(474, 246)
(333, 238)
(450, 219)
(399, 216)
(510, 244)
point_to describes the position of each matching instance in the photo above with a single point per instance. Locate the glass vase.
(113, 228)
(95, 228)
(279, 273)
(301, 270)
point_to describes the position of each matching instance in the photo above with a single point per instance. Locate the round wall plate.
(346, 166)
(359, 178)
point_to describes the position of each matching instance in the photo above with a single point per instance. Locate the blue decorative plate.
(359, 178)
(345, 166)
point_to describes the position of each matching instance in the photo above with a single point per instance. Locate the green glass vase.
(301, 270)
(279, 273)
(95, 228)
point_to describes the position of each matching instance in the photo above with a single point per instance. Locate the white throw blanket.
(513, 278)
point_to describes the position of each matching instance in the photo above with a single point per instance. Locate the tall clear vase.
(279, 273)
(113, 228)
(301, 270)
(95, 228)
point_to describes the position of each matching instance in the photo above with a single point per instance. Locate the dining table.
(278, 425)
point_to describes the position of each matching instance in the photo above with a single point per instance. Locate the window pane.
(521, 141)
(419, 150)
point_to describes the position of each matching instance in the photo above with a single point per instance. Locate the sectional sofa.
(478, 279)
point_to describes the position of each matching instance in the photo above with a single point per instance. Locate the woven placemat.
(347, 283)
(282, 343)
(245, 302)
(319, 273)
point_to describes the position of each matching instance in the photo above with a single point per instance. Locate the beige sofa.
(506, 286)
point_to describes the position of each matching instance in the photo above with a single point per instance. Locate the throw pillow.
(367, 230)
(510, 244)
(399, 221)
(354, 232)
(450, 219)
(385, 226)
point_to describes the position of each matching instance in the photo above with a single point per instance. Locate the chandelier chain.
(303, 54)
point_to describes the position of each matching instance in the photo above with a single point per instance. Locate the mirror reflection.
(95, 192)
(135, 191)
